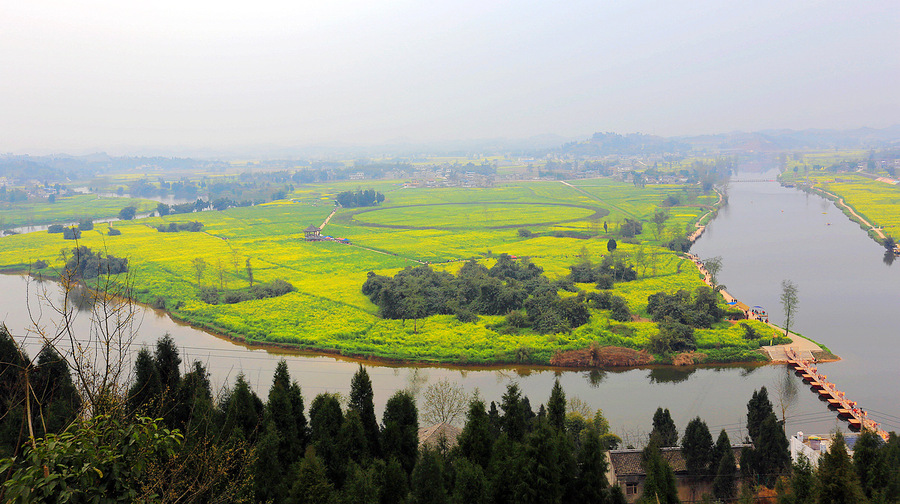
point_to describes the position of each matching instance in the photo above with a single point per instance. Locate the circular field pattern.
(474, 215)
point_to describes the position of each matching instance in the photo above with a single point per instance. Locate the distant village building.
(813, 447)
(624, 470)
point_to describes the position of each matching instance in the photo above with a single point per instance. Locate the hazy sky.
(112, 74)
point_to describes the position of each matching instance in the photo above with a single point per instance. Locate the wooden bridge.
(847, 410)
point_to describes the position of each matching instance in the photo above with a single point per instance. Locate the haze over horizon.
(115, 76)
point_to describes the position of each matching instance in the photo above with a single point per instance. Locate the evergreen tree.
(615, 495)
(168, 364)
(664, 430)
(592, 469)
(659, 486)
(495, 419)
(758, 409)
(400, 437)
(476, 439)
(556, 407)
(723, 444)
(427, 486)
(505, 471)
(243, 412)
(697, 448)
(269, 483)
(352, 445)
(55, 393)
(146, 387)
(362, 401)
(325, 420)
(282, 412)
(192, 409)
(772, 451)
(361, 486)
(513, 420)
(394, 484)
(838, 482)
(802, 484)
(470, 484)
(312, 485)
(542, 483)
(867, 463)
(724, 483)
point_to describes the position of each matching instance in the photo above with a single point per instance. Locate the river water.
(848, 300)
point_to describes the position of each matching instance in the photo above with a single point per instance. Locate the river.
(846, 296)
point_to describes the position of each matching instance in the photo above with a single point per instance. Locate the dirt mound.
(688, 358)
(607, 356)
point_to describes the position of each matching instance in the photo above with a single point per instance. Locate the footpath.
(800, 346)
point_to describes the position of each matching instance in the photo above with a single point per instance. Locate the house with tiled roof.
(431, 436)
(624, 470)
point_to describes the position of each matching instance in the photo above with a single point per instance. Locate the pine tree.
(659, 486)
(476, 439)
(470, 485)
(400, 437)
(168, 364)
(55, 393)
(542, 483)
(556, 407)
(243, 411)
(773, 455)
(838, 482)
(361, 486)
(428, 479)
(664, 430)
(312, 485)
(724, 482)
(146, 387)
(592, 469)
(697, 447)
(505, 471)
(395, 485)
(284, 398)
(325, 420)
(758, 409)
(513, 419)
(867, 463)
(362, 401)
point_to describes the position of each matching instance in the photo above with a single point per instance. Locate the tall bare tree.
(445, 402)
(789, 301)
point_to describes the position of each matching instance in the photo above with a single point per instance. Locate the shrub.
(209, 295)
(86, 225)
(71, 233)
(39, 264)
(55, 228)
(114, 232)
(524, 233)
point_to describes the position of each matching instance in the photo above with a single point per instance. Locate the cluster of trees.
(71, 232)
(163, 209)
(174, 227)
(678, 314)
(507, 288)
(167, 436)
(612, 269)
(275, 288)
(359, 198)
(84, 263)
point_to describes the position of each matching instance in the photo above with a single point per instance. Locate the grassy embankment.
(328, 312)
(873, 200)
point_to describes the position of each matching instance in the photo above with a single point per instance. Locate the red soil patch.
(608, 356)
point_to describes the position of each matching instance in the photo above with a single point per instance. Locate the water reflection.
(889, 257)
(80, 298)
(670, 374)
(595, 377)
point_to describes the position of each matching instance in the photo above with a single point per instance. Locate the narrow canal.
(848, 301)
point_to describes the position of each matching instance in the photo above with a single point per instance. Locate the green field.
(67, 209)
(442, 227)
(874, 200)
